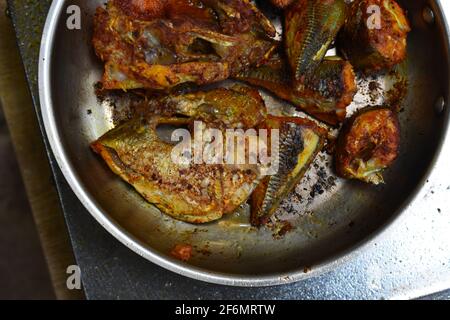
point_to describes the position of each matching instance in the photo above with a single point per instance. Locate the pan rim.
(102, 217)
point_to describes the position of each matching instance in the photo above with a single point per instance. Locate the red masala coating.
(373, 44)
(182, 252)
(368, 144)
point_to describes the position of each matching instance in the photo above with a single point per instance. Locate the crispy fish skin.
(331, 88)
(191, 193)
(160, 54)
(325, 96)
(310, 28)
(195, 193)
(371, 49)
(368, 144)
(300, 141)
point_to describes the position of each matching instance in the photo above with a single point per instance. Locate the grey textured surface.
(412, 260)
(444, 295)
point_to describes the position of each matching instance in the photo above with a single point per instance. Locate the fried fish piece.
(368, 144)
(325, 96)
(195, 193)
(165, 52)
(375, 36)
(300, 142)
(310, 28)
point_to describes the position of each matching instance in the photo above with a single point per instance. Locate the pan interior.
(327, 225)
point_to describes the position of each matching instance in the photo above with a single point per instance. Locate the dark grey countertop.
(111, 271)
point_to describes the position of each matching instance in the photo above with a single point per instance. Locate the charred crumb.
(439, 210)
(197, 230)
(99, 91)
(317, 189)
(288, 207)
(324, 183)
(331, 181)
(89, 111)
(203, 251)
(330, 146)
(297, 197)
(280, 229)
(373, 91)
(374, 85)
(396, 95)
(323, 156)
(332, 223)
(362, 78)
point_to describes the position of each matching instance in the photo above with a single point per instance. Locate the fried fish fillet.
(374, 38)
(195, 193)
(368, 144)
(330, 89)
(300, 142)
(310, 28)
(189, 44)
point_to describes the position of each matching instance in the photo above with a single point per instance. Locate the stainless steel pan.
(328, 227)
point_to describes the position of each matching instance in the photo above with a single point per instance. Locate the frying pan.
(329, 225)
